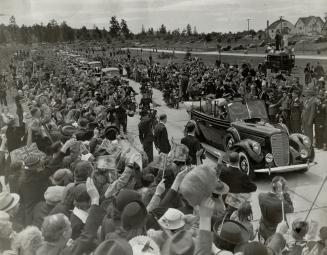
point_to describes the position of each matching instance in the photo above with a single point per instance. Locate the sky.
(206, 15)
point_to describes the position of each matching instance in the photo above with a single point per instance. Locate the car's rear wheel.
(245, 164)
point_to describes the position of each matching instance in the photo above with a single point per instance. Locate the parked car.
(226, 48)
(244, 127)
(238, 47)
(109, 72)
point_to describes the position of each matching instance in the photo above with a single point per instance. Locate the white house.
(310, 26)
(281, 26)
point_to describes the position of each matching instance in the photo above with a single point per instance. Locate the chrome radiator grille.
(280, 149)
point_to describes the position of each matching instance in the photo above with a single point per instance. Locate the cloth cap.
(53, 195)
(31, 161)
(61, 176)
(252, 248)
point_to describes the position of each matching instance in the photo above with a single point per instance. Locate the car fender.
(235, 133)
(296, 138)
(245, 145)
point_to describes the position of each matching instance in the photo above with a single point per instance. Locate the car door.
(213, 127)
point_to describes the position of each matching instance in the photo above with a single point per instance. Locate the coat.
(41, 210)
(33, 185)
(161, 140)
(295, 117)
(193, 144)
(308, 115)
(237, 181)
(271, 212)
(146, 130)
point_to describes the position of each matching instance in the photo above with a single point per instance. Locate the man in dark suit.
(161, 140)
(193, 144)
(237, 181)
(146, 132)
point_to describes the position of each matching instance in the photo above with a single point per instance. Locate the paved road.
(237, 54)
(303, 187)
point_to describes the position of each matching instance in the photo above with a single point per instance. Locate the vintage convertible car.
(244, 127)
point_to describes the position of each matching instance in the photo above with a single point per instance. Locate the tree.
(67, 33)
(163, 29)
(195, 31)
(142, 30)
(124, 29)
(24, 35)
(150, 31)
(188, 30)
(2, 37)
(114, 28)
(12, 21)
(97, 33)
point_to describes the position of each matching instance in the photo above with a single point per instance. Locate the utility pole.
(248, 20)
(281, 24)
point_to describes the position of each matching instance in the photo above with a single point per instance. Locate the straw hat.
(144, 245)
(8, 201)
(172, 219)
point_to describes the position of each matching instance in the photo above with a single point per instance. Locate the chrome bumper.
(285, 169)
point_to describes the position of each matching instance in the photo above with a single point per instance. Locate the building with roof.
(310, 26)
(281, 26)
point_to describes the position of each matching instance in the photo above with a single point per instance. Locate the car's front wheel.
(244, 163)
(229, 142)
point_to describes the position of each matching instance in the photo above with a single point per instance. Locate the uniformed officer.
(146, 135)
(320, 117)
(295, 110)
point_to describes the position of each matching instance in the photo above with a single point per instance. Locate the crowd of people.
(72, 184)
(300, 106)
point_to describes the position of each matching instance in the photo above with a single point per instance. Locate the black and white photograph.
(161, 127)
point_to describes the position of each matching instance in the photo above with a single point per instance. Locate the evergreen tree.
(188, 30)
(114, 28)
(2, 37)
(163, 29)
(124, 29)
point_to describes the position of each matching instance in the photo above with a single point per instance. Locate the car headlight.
(304, 153)
(306, 141)
(256, 147)
(269, 158)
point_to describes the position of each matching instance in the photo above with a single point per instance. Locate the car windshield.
(249, 110)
